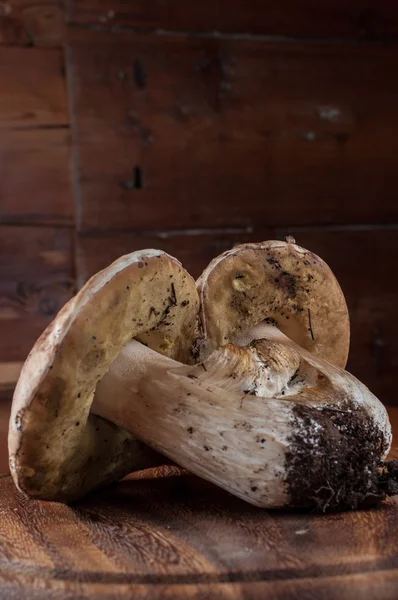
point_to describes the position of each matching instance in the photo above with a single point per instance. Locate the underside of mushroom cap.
(57, 449)
(279, 283)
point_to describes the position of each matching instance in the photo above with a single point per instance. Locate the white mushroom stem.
(252, 419)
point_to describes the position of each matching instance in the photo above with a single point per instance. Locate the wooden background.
(193, 126)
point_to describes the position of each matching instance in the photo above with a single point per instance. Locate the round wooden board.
(165, 534)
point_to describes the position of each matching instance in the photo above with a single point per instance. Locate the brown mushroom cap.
(279, 283)
(57, 449)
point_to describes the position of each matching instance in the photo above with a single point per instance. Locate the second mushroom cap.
(278, 283)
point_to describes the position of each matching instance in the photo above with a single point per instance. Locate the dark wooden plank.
(303, 18)
(365, 265)
(232, 132)
(5, 408)
(178, 517)
(32, 91)
(375, 586)
(6, 393)
(36, 279)
(194, 251)
(363, 261)
(162, 533)
(35, 178)
(9, 373)
(344, 587)
(32, 23)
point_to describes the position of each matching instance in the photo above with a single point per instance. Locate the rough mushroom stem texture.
(270, 422)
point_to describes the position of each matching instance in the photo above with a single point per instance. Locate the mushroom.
(268, 414)
(58, 450)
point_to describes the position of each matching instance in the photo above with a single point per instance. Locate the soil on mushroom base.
(334, 460)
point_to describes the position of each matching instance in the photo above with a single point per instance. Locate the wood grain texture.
(362, 260)
(35, 177)
(36, 279)
(9, 373)
(162, 533)
(32, 92)
(32, 23)
(366, 587)
(5, 410)
(231, 132)
(304, 19)
(36, 264)
(95, 252)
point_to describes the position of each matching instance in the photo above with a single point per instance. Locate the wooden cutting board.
(166, 534)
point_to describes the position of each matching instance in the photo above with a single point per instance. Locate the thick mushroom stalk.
(270, 422)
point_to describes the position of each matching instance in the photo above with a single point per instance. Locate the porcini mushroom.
(268, 413)
(58, 450)
(273, 422)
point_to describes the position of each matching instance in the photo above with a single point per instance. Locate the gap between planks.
(278, 230)
(218, 35)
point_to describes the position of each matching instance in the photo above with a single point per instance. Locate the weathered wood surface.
(5, 407)
(193, 131)
(189, 132)
(363, 261)
(363, 19)
(32, 22)
(36, 279)
(165, 534)
(35, 178)
(36, 263)
(32, 91)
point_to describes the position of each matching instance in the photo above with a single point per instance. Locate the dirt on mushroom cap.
(282, 284)
(57, 449)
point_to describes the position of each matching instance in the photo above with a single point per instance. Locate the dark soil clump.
(335, 462)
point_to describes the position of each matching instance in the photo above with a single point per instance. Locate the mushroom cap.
(58, 450)
(279, 283)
